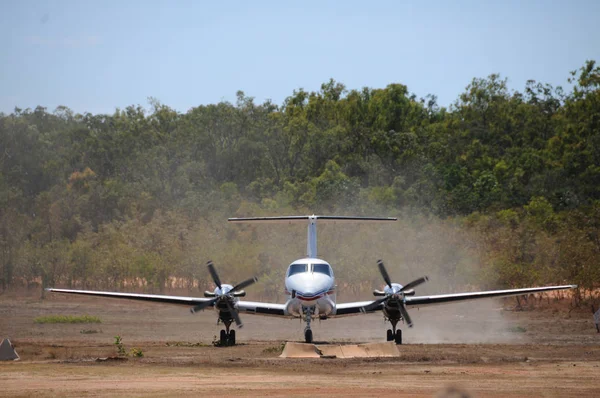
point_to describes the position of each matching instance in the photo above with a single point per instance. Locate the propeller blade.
(203, 305)
(244, 284)
(405, 315)
(374, 304)
(213, 273)
(384, 273)
(234, 314)
(414, 283)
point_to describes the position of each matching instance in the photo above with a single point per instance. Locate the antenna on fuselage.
(311, 243)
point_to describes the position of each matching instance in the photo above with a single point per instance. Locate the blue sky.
(97, 56)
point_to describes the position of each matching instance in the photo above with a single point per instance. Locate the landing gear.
(308, 336)
(398, 337)
(393, 334)
(227, 337)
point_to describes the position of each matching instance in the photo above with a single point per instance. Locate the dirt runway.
(482, 350)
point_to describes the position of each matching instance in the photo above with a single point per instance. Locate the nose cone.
(309, 286)
(395, 288)
(225, 288)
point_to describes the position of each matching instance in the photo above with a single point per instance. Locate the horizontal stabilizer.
(292, 219)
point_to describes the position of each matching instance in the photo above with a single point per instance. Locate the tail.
(311, 245)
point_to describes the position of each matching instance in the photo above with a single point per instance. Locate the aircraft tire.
(232, 337)
(390, 335)
(398, 337)
(308, 337)
(223, 338)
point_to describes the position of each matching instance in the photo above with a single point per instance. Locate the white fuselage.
(310, 284)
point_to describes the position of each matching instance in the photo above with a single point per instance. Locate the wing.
(451, 298)
(248, 307)
(356, 308)
(157, 298)
(258, 308)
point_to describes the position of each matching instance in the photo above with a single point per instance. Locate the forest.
(499, 190)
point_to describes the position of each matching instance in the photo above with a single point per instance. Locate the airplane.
(311, 290)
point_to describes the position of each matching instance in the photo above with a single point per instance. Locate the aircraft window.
(297, 268)
(322, 269)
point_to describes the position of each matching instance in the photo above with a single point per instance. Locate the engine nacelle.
(293, 307)
(326, 307)
(387, 290)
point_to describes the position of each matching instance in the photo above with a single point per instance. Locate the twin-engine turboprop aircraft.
(310, 287)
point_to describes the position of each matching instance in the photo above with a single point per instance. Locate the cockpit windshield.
(322, 269)
(317, 268)
(297, 268)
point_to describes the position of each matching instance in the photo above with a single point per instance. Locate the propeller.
(383, 271)
(213, 273)
(227, 296)
(395, 295)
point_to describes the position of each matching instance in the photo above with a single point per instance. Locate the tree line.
(503, 185)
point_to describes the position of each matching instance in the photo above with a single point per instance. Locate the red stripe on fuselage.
(311, 298)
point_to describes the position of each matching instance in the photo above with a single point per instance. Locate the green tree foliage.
(138, 199)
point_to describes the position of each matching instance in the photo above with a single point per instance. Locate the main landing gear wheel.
(308, 338)
(227, 339)
(398, 337)
(390, 335)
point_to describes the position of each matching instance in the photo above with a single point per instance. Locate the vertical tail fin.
(311, 239)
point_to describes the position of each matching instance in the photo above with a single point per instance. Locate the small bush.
(67, 319)
(122, 352)
(275, 349)
(136, 352)
(120, 348)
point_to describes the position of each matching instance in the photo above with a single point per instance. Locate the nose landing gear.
(308, 336)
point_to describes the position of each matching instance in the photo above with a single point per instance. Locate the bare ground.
(481, 348)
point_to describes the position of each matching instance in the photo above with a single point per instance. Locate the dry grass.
(67, 319)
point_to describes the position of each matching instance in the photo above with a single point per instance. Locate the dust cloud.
(414, 246)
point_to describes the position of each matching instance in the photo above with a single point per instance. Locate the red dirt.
(480, 348)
